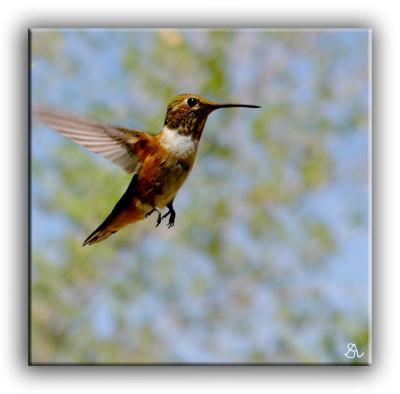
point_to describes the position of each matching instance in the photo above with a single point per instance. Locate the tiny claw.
(166, 215)
(159, 218)
(171, 221)
(171, 213)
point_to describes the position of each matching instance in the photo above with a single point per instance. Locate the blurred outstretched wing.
(113, 143)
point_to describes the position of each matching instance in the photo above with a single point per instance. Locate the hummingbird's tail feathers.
(100, 234)
(125, 212)
(114, 222)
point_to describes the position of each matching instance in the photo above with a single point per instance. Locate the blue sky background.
(304, 276)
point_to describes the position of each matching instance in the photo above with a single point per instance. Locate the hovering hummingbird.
(159, 163)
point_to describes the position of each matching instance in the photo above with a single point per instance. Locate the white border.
(16, 16)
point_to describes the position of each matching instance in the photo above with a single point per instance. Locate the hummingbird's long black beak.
(217, 106)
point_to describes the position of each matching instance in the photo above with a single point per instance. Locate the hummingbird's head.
(187, 113)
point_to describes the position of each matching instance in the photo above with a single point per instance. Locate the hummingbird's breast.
(166, 168)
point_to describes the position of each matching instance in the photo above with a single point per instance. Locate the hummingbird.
(159, 163)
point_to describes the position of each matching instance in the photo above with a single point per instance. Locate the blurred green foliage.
(244, 274)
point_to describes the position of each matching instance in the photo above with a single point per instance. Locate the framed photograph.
(200, 196)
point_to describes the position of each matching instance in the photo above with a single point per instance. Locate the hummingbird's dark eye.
(191, 102)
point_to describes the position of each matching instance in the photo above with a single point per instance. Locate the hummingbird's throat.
(192, 126)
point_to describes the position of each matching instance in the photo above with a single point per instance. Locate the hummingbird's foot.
(172, 214)
(159, 218)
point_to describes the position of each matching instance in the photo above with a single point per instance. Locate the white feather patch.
(180, 144)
